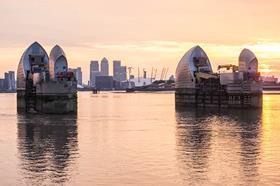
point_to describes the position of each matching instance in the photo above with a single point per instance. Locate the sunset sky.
(146, 33)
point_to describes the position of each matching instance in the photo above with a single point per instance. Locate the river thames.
(140, 139)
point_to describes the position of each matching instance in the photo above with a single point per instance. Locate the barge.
(44, 84)
(197, 85)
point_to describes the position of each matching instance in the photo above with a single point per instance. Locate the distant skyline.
(142, 33)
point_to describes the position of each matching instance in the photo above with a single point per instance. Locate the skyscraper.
(2, 84)
(119, 72)
(6, 81)
(10, 82)
(13, 80)
(94, 71)
(116, 69)
(79, 76)
(104, 67)
(94, 66)
(123, 76)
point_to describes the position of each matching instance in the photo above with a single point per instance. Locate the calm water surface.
(140, 139)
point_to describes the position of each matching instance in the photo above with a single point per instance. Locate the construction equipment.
(138, 75)
(155, 76)
(166, 73)
(144, 73)
(129, 71)
(228, 67)
(162, 74)
(201, 75)
(129, 87)
(152, 73)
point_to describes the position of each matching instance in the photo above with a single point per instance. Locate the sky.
(145, 34)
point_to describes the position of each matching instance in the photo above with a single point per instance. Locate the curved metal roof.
(187, 66)
(247, 55)
(24, 66)
(248, 61)
(56, 53)
(36, 49)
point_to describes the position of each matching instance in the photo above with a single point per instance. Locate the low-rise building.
(104, 82)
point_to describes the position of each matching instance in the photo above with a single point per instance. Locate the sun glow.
(264, 68)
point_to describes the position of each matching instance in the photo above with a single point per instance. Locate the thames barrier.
(44, 84)
(198, 86)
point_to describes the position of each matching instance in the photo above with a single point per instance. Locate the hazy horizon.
(142, 34)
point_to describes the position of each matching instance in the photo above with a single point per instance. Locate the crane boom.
(152, 73)
(162, 73)
(166, 73)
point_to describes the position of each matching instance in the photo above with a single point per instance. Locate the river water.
(140, 139)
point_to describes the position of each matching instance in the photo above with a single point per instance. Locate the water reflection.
(48, 147)
(218, 145)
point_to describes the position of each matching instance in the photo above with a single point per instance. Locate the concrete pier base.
(51, 104)
(217, 98)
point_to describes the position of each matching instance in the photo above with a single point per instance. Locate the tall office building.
(94, 66)
(116, 70)
(6, 81)
(78, 74)
(123, 76)
(94, 71)
(10, 82)
(2, 84)
(104, 67)
(119, 72)
(13, 80)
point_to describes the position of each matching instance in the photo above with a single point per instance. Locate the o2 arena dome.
(195, 60)
(34, 54)
(248, 62)
(58, 62)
